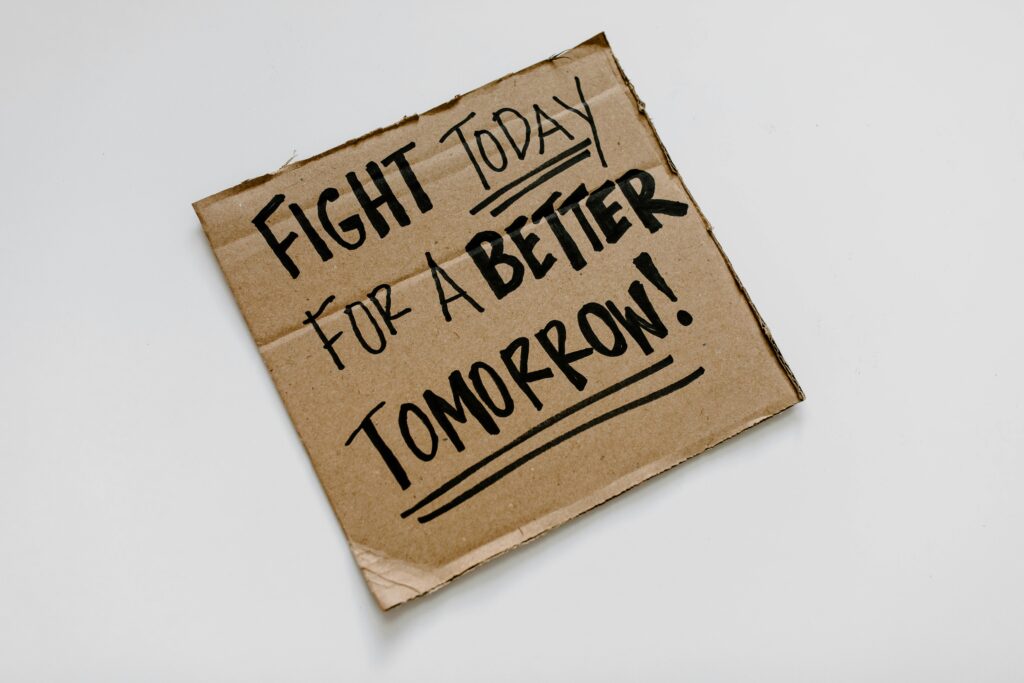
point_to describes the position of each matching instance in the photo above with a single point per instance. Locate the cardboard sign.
(491, 317)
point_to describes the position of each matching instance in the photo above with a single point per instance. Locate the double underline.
(498, 475)
(509, 194)
(537, 177)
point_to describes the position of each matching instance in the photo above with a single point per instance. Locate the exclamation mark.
(645, 264)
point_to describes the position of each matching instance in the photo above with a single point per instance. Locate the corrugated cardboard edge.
(389, 594)
(642, 110)
(599, 39)
(393, 582)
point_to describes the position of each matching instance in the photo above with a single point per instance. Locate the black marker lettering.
(476, 378)
(328, 342)
(487, 261)
(543, 132)
(382, 341)
(563, 359)
(636, 325)
(371, 207)
(397, 158)
(479, 135)
(314, 237)
(643, 202)
(351, 224)
(279, 247)
(457, 129)
(519, 369)
(526, 245)
(463, 398)
(587, 116)
(572, 203)
(596, 310)
(367, 426)
(499, 119)
(546, 212)
(403, 426)
(438, 273)
(612, 227)
(384, 307)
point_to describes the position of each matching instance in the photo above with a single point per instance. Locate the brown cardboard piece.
(469, 364)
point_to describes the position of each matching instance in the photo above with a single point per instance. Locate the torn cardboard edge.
(599, 39)
(391, 594)
(395, 583)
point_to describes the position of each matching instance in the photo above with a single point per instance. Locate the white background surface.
(863, 165)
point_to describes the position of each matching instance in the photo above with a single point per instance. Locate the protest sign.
(491, 317)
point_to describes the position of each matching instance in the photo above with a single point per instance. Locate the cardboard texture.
(493, 316)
